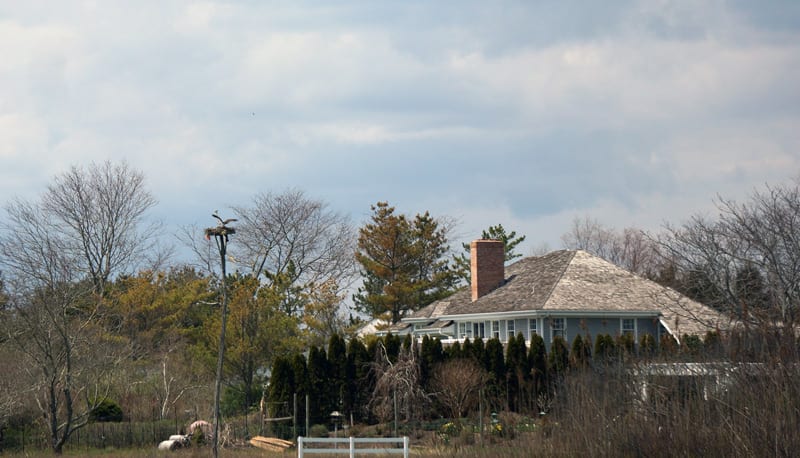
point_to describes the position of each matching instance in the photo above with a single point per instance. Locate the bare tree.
(398, 388)
(630, 248)
(456, 384)
(291, 238)
(747, 259)
(100, 210)
(52, 320)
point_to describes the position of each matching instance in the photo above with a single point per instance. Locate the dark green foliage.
(466, 350)
(431, 354)
(235, 398)
(605, 348)
(691, 344)
(300, 371)
(517, 372)
(478, 351)
(626, 345)
(496, 367)
(581, 352)
(647, 345)
(537, 361)
(360, 380)
(337, 364)
(495, 361)
(453, 351)
(392, 344)
(407, 342)
(559, 356)
(282, 382)
(319, 395)
(106, 410)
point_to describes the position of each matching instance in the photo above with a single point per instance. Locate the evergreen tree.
(495, 365)
(479, 351)
(392, 344)
(517, 371)
(403, 263)
(537, 361)
(337, 363)
(430, 355)
(300, 371)
(280, 395)
(581, 352)
(559, 356)
(510, 242)
(319, 395)
(453, 351)
(360, 382)
(467, 352)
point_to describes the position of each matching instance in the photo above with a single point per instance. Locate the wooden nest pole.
(221, 234)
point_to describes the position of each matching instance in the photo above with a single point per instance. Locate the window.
(559, 327)
(463, 328)
(479, 329)
(510, 332)
(496, 329)
(628, 326)
(533, 327)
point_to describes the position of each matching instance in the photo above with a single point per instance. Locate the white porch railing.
(351, 448)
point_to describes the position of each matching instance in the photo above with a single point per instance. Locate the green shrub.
(319, 431)
(106, 410)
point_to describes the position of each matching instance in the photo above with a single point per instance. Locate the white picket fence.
(351, 442)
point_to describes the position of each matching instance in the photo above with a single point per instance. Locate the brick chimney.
(487, 258)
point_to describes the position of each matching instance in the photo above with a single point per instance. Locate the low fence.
(351, 443)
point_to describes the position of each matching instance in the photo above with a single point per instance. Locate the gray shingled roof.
(578, 281)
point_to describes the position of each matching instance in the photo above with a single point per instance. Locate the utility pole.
(220, 234)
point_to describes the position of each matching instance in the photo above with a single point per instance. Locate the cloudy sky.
(523, 113)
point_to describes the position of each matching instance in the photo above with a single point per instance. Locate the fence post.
(405, 446)
(352, 447)
(300, 447)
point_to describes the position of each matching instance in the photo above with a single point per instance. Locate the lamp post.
(336, 417)
(220, 234)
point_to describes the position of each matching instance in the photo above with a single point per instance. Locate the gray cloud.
(530, 112)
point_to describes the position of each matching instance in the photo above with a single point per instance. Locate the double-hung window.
(510, 330)
(495, 329)
(559, 327)
(628, 327)
(533, 327)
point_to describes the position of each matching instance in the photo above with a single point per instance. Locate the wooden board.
(271, 443)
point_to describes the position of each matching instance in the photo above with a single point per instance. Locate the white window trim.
(538, 328)
(511, 329)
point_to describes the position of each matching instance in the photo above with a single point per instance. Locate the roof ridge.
(560, 276)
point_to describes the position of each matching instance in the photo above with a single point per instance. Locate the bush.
(106, 410)
(319, 431)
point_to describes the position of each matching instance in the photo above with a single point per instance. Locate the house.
(564, 293)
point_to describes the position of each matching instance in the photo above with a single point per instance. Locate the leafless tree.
(630, 248)
(100, 210)
(291, 238)
(747, 259)
(398, 388)
(456, 384)
(51, 320)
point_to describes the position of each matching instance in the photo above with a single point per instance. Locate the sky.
(527, 114)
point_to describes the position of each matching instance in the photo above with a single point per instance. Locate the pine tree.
(510, 241)
(403, 263)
